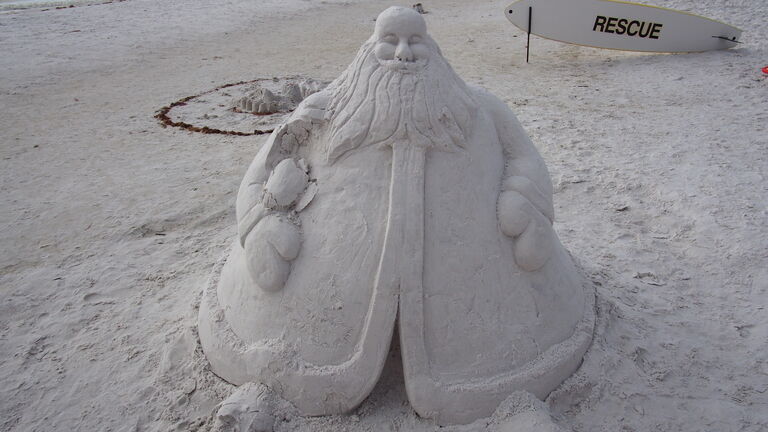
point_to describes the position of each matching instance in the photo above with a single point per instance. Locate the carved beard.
(380, 102)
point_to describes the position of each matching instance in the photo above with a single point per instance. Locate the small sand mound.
(244, 108)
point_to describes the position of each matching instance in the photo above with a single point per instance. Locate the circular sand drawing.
(245, 108)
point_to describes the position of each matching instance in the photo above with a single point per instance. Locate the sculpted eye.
(414, 39)
(390, 39)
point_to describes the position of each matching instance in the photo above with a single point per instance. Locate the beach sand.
(110, 224)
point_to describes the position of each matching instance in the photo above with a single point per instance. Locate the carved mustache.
(404, 67)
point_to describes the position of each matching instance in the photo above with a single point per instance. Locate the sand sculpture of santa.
(398, 196)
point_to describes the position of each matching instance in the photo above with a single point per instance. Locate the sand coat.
(404, 235)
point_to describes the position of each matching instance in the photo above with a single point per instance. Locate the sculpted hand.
(269, 249)
(526, 215)
(295, 131)
(312, 109)
(274, 239)
(267, 229)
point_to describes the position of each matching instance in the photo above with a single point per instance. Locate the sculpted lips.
(406, 67)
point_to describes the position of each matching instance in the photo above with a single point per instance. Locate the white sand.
(110, 224)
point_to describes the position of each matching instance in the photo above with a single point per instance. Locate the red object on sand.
(765, 70)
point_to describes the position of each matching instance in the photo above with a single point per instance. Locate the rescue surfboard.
(621, 25)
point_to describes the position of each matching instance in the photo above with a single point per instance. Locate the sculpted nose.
(403, 52)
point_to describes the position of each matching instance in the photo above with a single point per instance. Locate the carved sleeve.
(271, 185)
(525, 170)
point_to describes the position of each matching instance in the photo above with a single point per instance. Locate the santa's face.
(401, 39)
(399, 88)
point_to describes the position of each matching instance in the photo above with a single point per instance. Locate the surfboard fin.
(733, 39)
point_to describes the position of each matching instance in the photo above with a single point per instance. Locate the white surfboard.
(621, 25)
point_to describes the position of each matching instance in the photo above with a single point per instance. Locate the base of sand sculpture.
(398, 196)
(239, 362)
